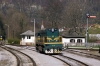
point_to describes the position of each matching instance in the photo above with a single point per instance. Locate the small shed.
(27, 38)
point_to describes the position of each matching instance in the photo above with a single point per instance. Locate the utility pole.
(34, 31)
(8, 30)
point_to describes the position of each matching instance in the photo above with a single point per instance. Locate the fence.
(82, 44)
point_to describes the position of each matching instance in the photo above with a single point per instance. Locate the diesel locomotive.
(49, 41)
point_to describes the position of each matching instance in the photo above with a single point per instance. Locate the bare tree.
(72, 16)
(53, 11)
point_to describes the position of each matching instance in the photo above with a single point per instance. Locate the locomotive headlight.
(52, 30)
(56, 40)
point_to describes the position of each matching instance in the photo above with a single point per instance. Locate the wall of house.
(68, 40)
(28, 40)
(73, 41)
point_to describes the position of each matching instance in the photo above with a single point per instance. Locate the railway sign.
(92, 16)
(88, 16)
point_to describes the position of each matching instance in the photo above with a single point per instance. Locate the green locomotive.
(49, 41)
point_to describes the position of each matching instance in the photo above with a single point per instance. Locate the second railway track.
(22, 59)
(69, 61)
(83, 54)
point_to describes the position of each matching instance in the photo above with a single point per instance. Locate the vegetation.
(93, 39)
(13, 41)
(94, 29)
(18, 14)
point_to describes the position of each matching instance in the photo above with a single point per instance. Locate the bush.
(13, 41)
(93, 39)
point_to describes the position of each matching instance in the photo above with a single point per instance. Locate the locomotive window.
(45, 39)
(60, 39)
(38, 34)
(43, 34)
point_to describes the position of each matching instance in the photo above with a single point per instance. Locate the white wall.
(67, 40)
(25, 40)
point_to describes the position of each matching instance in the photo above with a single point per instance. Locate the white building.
(73, 40)
(27, 38)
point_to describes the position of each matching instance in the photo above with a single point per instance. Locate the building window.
(72, 40)
(23, 37)
(28, 37)
(79, 40)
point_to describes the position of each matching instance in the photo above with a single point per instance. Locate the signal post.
(88, 16)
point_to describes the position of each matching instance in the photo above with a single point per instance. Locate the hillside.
(19, 14)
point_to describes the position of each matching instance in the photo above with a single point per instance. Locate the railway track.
(22, 59)
(83, 54)
(69, 61)
(33, 49)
